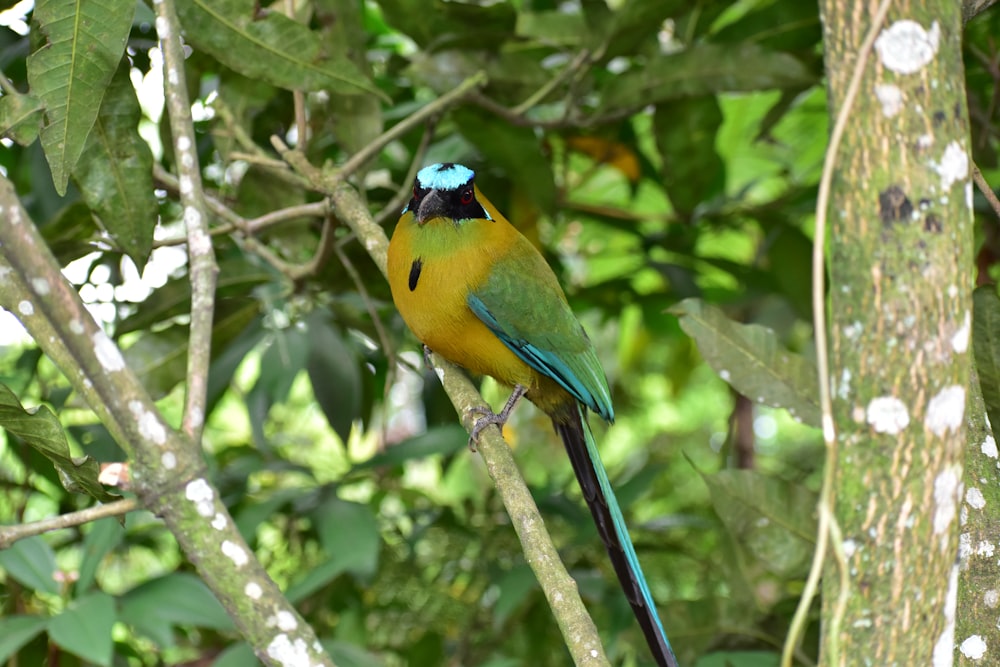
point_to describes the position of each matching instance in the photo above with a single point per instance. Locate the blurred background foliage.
(656, 152)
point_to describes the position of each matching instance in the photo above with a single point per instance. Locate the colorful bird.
(476, 291)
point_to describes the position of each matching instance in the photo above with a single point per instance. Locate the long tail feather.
(596, 487)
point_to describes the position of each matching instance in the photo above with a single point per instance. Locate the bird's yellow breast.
(432, 270)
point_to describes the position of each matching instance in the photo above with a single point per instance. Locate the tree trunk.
(900, 263)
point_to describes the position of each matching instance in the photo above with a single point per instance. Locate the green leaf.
(349, 534)
(16, 631)
(440, 25)
(693, 172)
(551, 27)
(268, 46)
(334, 374)
(346, 654)
(740, 658)
(515, 150)
(438, 440)
(635, 21)
(159, 358)
(279, 365)
(515, 587)
(157, 605)
(84, 628)
(705, 69)
(103, 536)
(20, 117)
(237, 278)
(41, 430)
(750, 358)
(784, 25)
(115, 172)
(986, 347)
(70, 72)
(773, 519)
(32, 563)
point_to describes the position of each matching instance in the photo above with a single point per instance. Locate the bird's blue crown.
(444, 176)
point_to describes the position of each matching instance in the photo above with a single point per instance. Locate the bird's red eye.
(416, 191)
(466, 197)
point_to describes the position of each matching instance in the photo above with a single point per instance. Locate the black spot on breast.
(894, 205)
(415, 268)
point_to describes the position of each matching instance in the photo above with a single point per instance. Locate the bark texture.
(900, 296)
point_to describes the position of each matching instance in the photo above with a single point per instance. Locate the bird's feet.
(427, 357)
(488, 418)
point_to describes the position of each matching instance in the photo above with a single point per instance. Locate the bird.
(475, 290)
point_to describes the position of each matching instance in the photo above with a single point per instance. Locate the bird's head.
(446, 190)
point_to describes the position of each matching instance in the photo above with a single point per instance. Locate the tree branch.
(169, 475)
(11, 534)
(202, 269)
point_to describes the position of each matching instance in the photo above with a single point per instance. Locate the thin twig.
(234, 221)
(11, 534)
(359, 159)
(202, 268)
(984, 187)
(404, 193)
(828, 528)
(552, 84)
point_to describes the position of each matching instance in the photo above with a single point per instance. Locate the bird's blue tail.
(600, 497)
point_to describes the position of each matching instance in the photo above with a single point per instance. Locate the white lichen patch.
(887, 414)
(235, 553)
(200, 493)
(968, 195)
(76, 326)
(989, 447)
(850, 547)
(253, 590)
(991, 598)
(954, 165)
(288, 653)
(973, 648)
(946, 410)
(168, 460)
(844, 386)
(162, 27)
(945, 645)
(149, 424)
(284, 620)
(975, 498)
(219, 521)
(26, 309)
(725, 375)
(906, 48)
(891, 99)
(964, 546)
(107, 353)
(853, 330)
(41, 286)
(960, 340)
(947, 490)
(985, 549)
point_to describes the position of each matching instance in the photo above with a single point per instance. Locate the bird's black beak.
(433, 205)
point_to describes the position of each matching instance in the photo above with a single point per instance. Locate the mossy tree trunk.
(900, 258)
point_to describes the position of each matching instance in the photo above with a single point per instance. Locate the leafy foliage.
(664, 156)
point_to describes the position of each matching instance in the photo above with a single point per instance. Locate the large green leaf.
(85, 40)
(771, 518)
(16, 631)
(20, 117)
(31, 562)
(350, 535)
(705, 69)
(268, 46)
(986, 347)
(103, 536)
(514, 149)
(438, 440)
(693, 172)
(115, 172)
(158, 605)
(750, 358)
(41, 430)
(84, 628)
(159, 358)
(334, 374)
